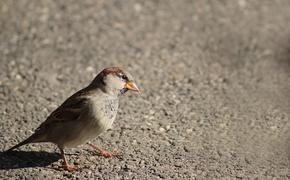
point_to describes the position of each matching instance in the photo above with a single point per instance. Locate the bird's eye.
(124, 77)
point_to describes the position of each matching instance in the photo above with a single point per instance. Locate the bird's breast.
(99, 118)
(105, 112)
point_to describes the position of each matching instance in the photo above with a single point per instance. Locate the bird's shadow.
(25, 159)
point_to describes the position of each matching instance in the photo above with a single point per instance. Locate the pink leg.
(104, 153)
(65, 165)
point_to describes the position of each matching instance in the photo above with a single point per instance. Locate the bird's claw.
(108, 154)
(68, 167)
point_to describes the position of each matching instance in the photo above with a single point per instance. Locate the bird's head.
(114, 80)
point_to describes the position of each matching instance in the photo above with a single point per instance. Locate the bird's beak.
(132, 86)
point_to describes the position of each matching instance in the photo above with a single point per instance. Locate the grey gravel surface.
(214, 76)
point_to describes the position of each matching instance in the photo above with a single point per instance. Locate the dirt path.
(214, 75)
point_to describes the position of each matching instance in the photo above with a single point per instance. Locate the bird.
(85, 114)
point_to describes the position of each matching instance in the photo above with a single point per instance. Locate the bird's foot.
(69, 167)
(108, 154)
(105, 153)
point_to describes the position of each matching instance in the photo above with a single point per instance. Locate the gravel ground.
(214, 77)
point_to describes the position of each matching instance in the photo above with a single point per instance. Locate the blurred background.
(214, 77)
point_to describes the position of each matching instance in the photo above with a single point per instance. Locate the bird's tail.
(32, 139)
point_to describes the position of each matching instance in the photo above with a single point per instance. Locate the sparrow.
(84, 115)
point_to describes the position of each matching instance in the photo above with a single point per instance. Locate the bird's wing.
(70, 110)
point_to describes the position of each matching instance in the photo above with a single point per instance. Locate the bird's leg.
(104, 153)
(65, 165)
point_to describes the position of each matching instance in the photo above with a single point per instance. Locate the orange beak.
(132, 86)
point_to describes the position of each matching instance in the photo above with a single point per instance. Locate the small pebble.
(18, 77)
(223, 125)
(167, 127)
(149, 124)
(242, 3)
(89, 69)
(137, 7)
(161, 129)
(151, 117)
(151, 112)
(46, 41)
(188, 131)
